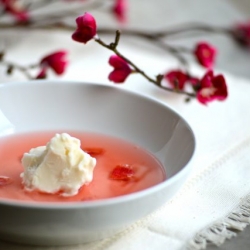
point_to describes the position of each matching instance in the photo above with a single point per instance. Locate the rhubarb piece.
(4, 180)
(94, 151)
(122, 172)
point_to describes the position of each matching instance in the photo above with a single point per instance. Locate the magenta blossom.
(121, 69)
(205, 54)
(86, 28)
(120, 10)
(14, 8)
(177, 78)
(56, 61)
(241, 33)
(212, 88)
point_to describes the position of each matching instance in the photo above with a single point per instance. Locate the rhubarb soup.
(121, 167)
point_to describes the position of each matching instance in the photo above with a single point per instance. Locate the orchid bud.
(120, 10)
(121, 69)
(212, 88)
(16, 9)
(86, 28)
(205, 54)
(56, 61)
(241, 33)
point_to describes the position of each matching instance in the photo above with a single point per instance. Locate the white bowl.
(48, 105)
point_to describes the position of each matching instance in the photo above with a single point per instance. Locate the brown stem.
(36, 5)
(175, 51)
(136, 69)
(55, 17)
(154, 37)
(191, 27)
(13, 66)
(134, 32)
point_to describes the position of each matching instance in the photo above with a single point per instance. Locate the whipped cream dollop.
(60, 166)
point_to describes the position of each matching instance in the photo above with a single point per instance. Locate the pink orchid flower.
(120, 10)
(212, 88)
(86, 28)
(176, 78)
(205, 54)
(56, 61)
(241, 33)
(121, 69)
(15, 9)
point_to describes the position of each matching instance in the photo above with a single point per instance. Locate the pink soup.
(111, 153)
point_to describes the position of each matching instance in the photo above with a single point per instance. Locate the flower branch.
(113, 47)
(11, 66)
(55, 61)
(158, 79)
(207, 88)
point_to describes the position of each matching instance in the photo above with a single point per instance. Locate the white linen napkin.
(215, 197)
